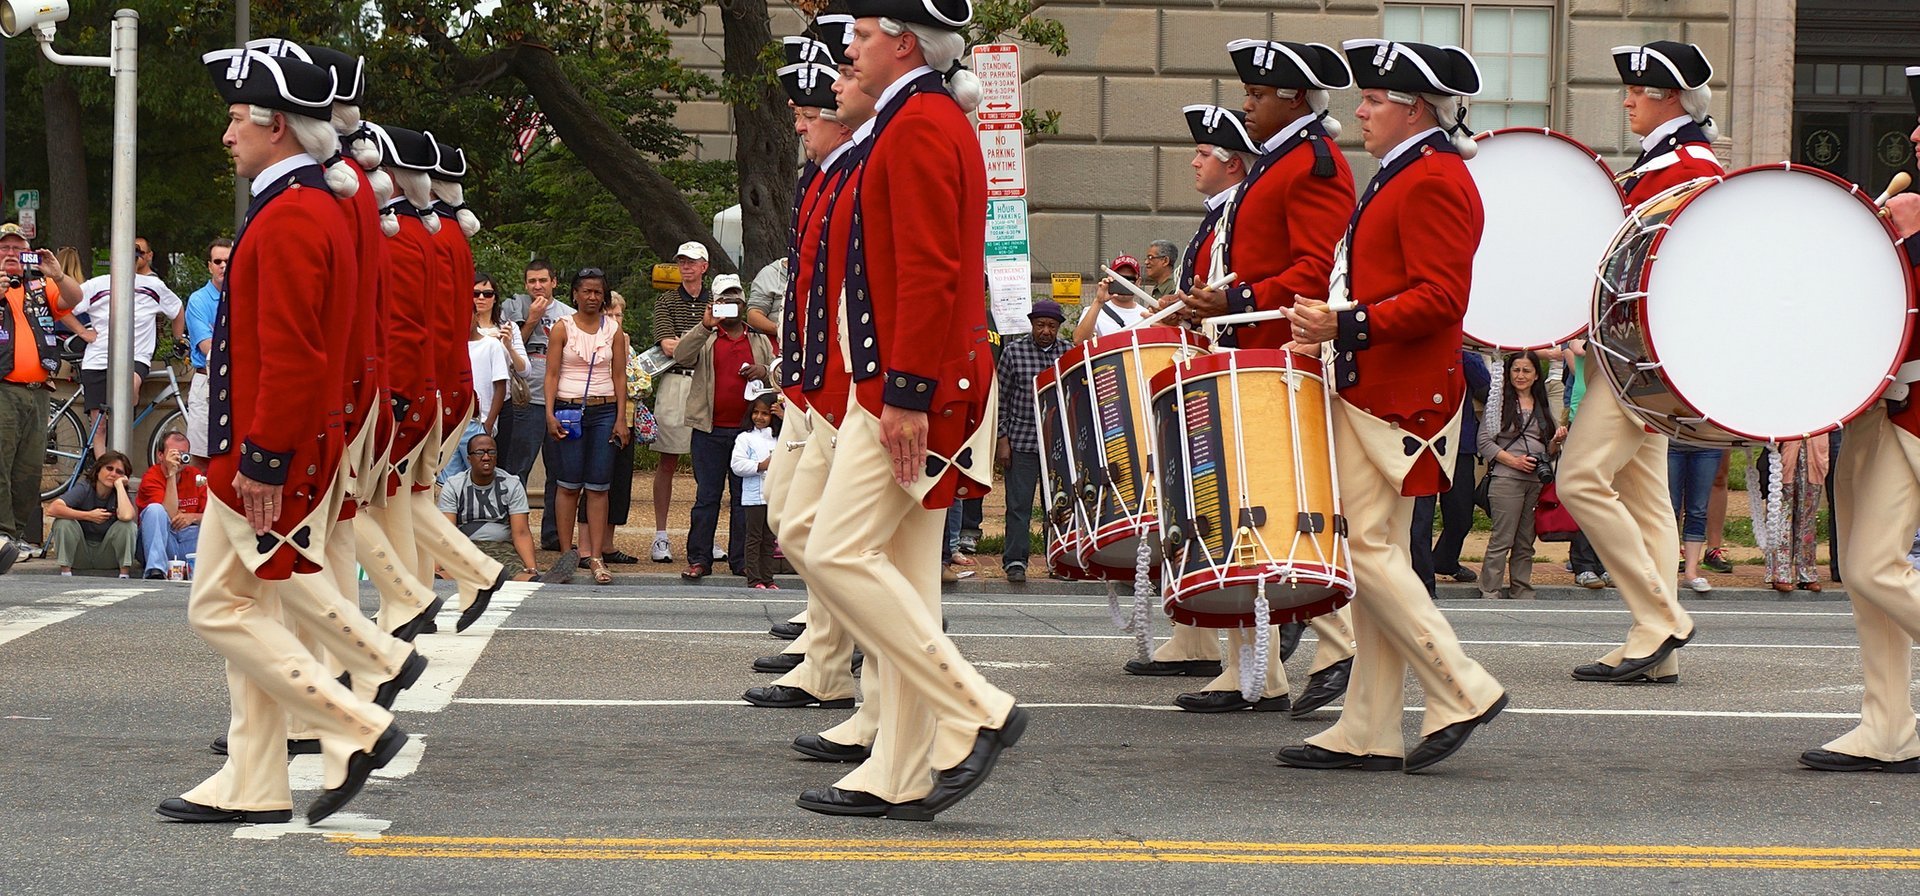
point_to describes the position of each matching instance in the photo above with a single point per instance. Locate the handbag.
(569, 418)
(1551, 520)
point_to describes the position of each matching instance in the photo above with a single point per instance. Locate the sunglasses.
(485, 292)
(216, 261)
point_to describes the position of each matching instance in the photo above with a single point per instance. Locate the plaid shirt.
(1020, 361)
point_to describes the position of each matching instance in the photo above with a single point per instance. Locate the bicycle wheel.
(171, 421)
(66, 454)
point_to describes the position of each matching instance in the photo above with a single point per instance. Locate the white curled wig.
(1317, 102)
(1697, 102)
(316, 138)
(1451, 114)
(417, 187)
(1227, 157)
(942, 50)
(455, 195)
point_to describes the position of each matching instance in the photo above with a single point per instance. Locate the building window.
(1811, 79)
(1512, 44)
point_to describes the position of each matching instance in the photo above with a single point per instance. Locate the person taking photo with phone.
(725, 356)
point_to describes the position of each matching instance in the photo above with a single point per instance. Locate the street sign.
(1003, 145)
(1006, 227)
(1009, 292)
(998, 68)
(1066, 288)
(26, 199)
(29, 223)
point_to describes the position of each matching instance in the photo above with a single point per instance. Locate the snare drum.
(1248, 492)
(1111, 439)
(1712, 288)
(1533, 273)
(1060, 517)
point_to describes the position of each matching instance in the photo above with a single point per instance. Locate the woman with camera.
(1518, 439)
(586, 421)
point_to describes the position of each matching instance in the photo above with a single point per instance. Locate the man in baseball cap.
(1115, 307)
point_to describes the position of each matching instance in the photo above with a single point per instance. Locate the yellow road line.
(1110, 851)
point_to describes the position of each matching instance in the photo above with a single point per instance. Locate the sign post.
(1003, 147)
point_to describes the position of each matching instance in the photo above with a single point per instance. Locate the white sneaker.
(1700, 586)
(9, 552)
(1589, 580)
(662, 551)
(719, 553)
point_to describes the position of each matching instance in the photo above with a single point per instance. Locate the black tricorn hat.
(951, 15)
(1663, 63)
(349, 71)
(1412, 68)
(450, 161)
(286, 84)
(810, 84)
(1220, 126)
(1289, 65)
(405, 148)
(803, 49)
(835, 29)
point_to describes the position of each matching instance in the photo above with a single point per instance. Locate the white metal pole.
(120, 394)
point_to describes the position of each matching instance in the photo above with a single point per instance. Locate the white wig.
(316, 138)
(1227, 156)
(1317, 102)
(1698, 102)
(942, 49)
(417, 186)
(1451, 114)
(453, 194)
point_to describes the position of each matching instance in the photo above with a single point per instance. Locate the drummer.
(1878, 498)
(1224, 151)
(1396, 363)
(1613, 472)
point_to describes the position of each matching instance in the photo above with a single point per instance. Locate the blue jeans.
(1023, 477)
(712, 471)
(160, 542)
(1690, 473)
(588, 460)
(523, 429)
(459, 462)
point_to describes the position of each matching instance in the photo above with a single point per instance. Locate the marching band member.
(824, 675)
(1613, 471)
(917, 432)
(1406, 262)
(274, 463)
(1877, 493)
(1225, 151)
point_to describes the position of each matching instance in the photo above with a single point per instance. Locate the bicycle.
(70, 437)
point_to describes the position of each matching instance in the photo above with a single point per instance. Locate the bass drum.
(1552, 208)
(1769, 304)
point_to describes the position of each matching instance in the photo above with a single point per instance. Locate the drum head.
(1777, 303)
(1551, 212)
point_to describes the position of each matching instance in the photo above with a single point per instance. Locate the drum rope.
(1142, 596)
(1291, 380)
(1254, 657)
(1121, 621)
(1329, 396)
(1768, 530)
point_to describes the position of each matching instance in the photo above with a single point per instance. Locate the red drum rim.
(1143, 526)
(1599, 161)
(1333, 577)
(1276, 359)
(1893, 246)
(1126, 339)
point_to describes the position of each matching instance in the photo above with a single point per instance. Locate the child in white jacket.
(752, 454)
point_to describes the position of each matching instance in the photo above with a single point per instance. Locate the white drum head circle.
(1777, 303)
(1551, 212)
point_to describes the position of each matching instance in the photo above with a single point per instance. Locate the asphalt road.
(584, 740)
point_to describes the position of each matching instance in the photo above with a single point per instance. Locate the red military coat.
(825, 381)
(916, 315)
(809, 216)
(1282, 231)
(453, 368)
(1684, 155)
(367, 377)
(279, 363)
(413, 292)
(1411, 266)
(1906, 415)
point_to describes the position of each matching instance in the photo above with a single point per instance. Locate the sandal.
(1783, 587)
(1809, 586)
(600, 574)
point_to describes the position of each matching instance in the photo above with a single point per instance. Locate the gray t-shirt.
(83, 498)
(515, 309)
(484, 512)
(768, 293)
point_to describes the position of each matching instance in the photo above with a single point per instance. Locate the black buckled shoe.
(417, 626)
(859, 660)
(1324, 687)
(780, 663)
(1310, 756)
(194, 813)
(1228, 701)
(1634, 667)
(360, 766)
(820, 748)
(1198, 668)
(780, 696)
(471, 614)
(410, 670)
(787, 631)
(860, 804)
(1829, 761)
(1290, 634)
(1447, 741)
(952, 785)
(306, 746)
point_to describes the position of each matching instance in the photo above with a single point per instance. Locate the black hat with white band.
(1664, 63)
(281, 83)
(349, 71)
(404, 148)
(950, 15)
(810, 84)
(1288, 65)
(1412, 68)
(1221, 127)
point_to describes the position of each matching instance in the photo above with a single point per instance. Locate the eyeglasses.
(143, 251)
(212, 262)
(488, 293)
(121, 470)
(484, 452)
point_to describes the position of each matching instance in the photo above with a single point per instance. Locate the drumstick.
(1132, 287)
(1225, 281)
(1901, 180)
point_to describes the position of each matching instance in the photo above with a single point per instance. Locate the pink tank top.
(584, 351)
